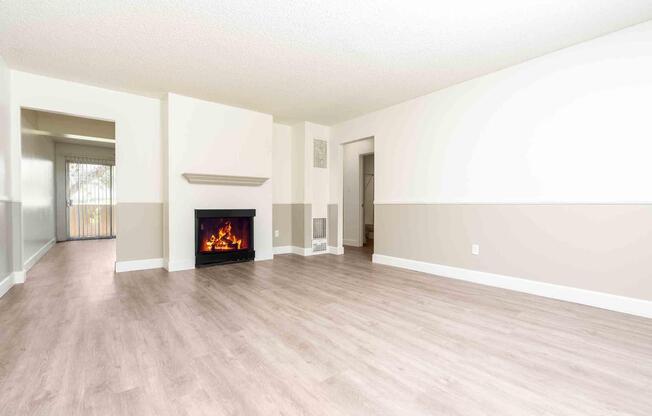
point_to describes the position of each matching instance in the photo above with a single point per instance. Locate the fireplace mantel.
(208, 179)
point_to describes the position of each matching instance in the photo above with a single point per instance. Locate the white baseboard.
(602, 300)
(179, 265)
(38, 255)
(282, 250)
(19, 277)
(12, 279)
(301, 251)
(263, 258)
(336, 250)
(354, 243)
(6, 284)
(132, 265)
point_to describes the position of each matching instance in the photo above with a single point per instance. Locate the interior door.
(90, 199)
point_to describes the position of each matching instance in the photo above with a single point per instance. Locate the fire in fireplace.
(224, 236)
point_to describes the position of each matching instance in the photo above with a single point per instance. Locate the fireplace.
(224, 236)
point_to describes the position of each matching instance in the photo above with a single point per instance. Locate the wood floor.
(322, 335)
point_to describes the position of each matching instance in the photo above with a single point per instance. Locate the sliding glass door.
(90, 199)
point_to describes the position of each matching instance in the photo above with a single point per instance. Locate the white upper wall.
(298, 161)
(137, 129)
(295, 179)
(282, 164)
(221, 139)
(571, 126)
(5, 132)
(317, 186)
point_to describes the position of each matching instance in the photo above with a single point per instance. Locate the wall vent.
(320, 153)
(318, 228)
(319, 246)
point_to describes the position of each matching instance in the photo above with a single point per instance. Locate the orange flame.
(224, 241)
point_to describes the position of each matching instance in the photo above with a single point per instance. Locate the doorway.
(90, 199)
(368, 184)
(67, 183)
(358, 196)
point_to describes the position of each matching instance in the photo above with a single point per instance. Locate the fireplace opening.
(224, 236)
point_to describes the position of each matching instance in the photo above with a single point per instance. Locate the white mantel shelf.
(207, 179)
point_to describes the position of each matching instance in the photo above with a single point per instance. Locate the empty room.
(326, 208)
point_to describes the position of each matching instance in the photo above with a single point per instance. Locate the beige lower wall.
(17, 235)
(294, 225)
(298, 221)
(604, 248)
(302, 225)
(307, 226)
(282, 223)
(332, 225)
(6, 239)
(139, 233)
(11, 241)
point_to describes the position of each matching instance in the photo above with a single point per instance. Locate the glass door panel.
(90, 200)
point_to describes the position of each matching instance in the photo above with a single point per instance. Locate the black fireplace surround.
(224, 236)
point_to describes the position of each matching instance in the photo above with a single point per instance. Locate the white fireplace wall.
(212, 138)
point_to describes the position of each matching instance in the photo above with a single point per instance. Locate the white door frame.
(360, 236)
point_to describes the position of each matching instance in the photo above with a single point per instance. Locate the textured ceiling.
(322, 61)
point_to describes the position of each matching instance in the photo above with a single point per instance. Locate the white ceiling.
(323, 61)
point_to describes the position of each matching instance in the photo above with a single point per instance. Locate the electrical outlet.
(275, 233)
(475, 249)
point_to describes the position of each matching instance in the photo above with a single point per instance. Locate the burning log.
(225, 239)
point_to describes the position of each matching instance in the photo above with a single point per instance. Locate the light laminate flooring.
(322, 335)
